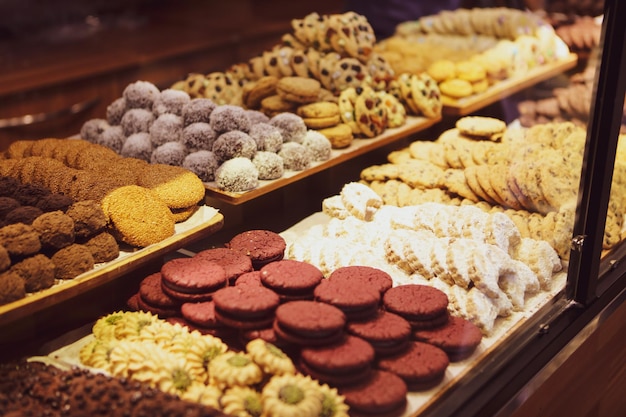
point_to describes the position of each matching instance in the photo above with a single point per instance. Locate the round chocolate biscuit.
(245, 306)
(234, 263)
(364, 275)
(382, 394)
(358, 302)
(311, 323)
(191, 279)
(291, 279)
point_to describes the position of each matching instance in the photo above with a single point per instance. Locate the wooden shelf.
(358, 147)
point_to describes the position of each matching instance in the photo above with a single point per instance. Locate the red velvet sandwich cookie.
(291, 279)
(363, 275)
(344, 363)
(201, 316)
(245, 306)
(459, 338)
(192, 279)
(152, 298)
(234, 263)
(309, 323)
(423, 306)
(358, 302)
(383, 394)
(387, 332)
(422, 365)
(249, 278)
(262, 246)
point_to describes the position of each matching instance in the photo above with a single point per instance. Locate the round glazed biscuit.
(139, 217)
(344, 363)
(422, 305)
(291, 279)
(245, 306)
(311, 323)
(422, 365)
(459, 338)
(249, 278)
(382, 394)
(192, 279)
(388, 333)
(234, 263)
(358, 302)
(364, 275)
(262, 246)
(456, 88)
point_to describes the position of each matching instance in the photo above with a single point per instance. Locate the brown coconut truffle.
(37, 272)
(11, 287)
(20, 239)
(23, 214)
(103, 247)
(5, 259)
(72, 261)
(89, 219)
(56, 229)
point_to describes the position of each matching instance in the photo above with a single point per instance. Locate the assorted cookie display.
(224, 144)
(479, 263)
(141, 202)
(282, 325)
(468, 50)
(531, 175)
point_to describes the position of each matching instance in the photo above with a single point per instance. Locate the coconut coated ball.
(113, 137)
(138, 146)
(170, 153)
(234, 144)
(92, 129)
(140, 95)
(199, 136)
(166, 128)
(170, 101)
(291, 126)
(202, 163)
(229, 117)
(136, 120)
(115, 111)
(198, 110)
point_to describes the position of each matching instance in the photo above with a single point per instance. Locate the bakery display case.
(506, 234)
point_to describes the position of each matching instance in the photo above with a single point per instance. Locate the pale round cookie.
(481, 126)
(456, 88)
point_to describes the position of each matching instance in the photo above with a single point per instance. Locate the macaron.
(358, 302)
(363, 275)
(343, 363)
(291, 279)
(309, 323)
(192, 279)
(234, 263)
(421, 365)
(245, 306)
(387, 332)
(262, 246)
(383, 393)
(459, 338)
(423, 306)
(152, 298)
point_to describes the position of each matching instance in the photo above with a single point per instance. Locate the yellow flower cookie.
(292, 396)
(234, 368)
(270, 358)
(208, 395)
(242, 402)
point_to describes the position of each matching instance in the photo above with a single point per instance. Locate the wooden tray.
(508, 87)
(205, 221)
(358, 147)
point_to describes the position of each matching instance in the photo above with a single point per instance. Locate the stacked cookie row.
(141, 201)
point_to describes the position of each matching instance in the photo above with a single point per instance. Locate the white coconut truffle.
(237, 175)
